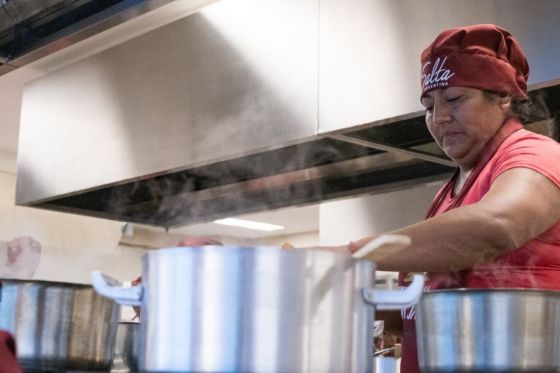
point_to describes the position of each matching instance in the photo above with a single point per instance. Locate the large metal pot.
(259, 309)
(489, 331)
(58, 326)
(125, 357)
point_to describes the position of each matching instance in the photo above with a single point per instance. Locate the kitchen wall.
(306, 239)
(350, 219)
(72, 245)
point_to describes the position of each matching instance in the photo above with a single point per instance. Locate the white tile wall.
(72, 245)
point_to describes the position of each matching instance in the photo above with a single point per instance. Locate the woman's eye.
(454, 98)
(428, 105)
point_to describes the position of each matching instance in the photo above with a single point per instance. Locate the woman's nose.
(441, 113)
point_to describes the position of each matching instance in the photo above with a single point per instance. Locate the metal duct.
(33, 29)
(255, 104)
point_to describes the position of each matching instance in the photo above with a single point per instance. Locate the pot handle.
(395, 299)
(110, 288)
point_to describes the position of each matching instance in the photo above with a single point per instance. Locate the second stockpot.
(256, 309)
(58, 326)
(124, 359)
(489, 330)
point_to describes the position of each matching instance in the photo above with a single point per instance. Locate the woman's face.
(462, 120)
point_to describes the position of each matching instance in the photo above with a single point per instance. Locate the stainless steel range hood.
(255, 104)
(33, 29)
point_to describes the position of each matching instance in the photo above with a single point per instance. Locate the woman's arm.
(520, 205)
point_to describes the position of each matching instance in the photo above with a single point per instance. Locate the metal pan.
(502, 330)
(256, 309)
(58, 326)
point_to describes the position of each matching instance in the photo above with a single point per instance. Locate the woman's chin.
(455, 154)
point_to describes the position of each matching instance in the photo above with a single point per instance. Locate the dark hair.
(522, 109)
(519, 108)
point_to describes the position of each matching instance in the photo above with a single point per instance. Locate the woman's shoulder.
(529, 150)
(525, 139)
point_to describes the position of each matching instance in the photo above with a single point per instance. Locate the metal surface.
(165, 93)
(488, 331)
(20, 10)
(411, 153)
(300, 174)
(6, 22)
(370, 50)
(386, 364)
(37, 28)
(263, 309)
(210, 116)
(58, 326)
(125, 359)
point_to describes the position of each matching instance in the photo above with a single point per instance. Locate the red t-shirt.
(536, 264)
(8, 362)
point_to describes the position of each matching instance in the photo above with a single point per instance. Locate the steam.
(512, 270)
(261, 182)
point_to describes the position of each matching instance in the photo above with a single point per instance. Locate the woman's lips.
(449, 135)
(450, 140)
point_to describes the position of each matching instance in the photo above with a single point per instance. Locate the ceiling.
(296, 219)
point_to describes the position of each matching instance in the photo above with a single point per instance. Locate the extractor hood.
(33, 29)
(256, 104)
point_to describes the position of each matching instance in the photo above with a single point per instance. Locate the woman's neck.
(464, 174)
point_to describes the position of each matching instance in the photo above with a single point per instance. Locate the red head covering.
(480, 56)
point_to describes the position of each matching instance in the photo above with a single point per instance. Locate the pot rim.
(475, 291)
(214, 248)
(14, 281)
(128, 322)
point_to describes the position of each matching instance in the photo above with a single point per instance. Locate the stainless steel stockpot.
(502, 330)
(58, 326)
(257, 309)
(125, 357)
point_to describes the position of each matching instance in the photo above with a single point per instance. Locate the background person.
(8, 361)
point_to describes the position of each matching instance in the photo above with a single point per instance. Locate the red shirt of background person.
(8, 361)
(21, 262)
(186, 241)
(496, 222)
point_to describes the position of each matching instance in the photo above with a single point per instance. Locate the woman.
(496, 222)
